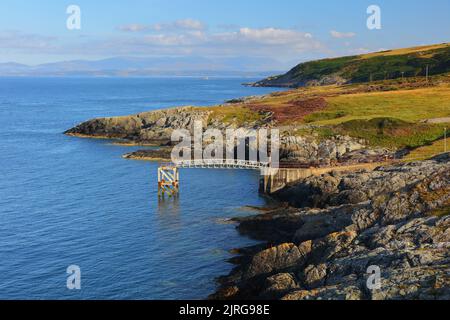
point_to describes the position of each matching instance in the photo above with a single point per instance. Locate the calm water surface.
(66, 201)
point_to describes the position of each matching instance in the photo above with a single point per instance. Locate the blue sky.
(288, 31)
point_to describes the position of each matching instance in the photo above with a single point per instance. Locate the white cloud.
(13, 40)
(192, 37)
(195, 30)
(178, 25)
(273, 36)
(181, 37)
(342, 35)
(189, 24)
(270, 41)
(133, 28)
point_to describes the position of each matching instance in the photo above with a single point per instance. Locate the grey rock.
(278, 258)
(401, 226)
(278, 285)
(314, 275)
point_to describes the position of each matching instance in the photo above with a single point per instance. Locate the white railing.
(222, 164)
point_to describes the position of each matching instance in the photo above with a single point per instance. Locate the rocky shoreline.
(155, 129)
(336, 226)
(328, 231)
(159, 154)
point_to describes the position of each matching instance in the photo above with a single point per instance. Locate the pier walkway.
(274, 179)
(223, 164)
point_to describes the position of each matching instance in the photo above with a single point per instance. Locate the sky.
(287, 31)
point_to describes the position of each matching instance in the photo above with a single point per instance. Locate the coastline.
(114, 140)
(323, 251)
(291, 266)
(331, 221)
(87, 136)
(148, 159)
(162, 154)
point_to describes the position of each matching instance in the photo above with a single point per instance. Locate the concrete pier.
(280, 178)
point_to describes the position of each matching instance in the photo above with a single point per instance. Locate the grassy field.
(391, 119)
(404, 51)
(237, 115)
(388, 102)
(389, 114)
(407, 105)
(390, 64)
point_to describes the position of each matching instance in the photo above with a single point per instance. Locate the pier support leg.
(168, 181)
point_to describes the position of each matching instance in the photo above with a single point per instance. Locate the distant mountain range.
(155, 66)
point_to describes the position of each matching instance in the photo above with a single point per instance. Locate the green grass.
(315, 70)
(392, 119)
(428, 151)
(322, 133)
(407, 105)
(323, 116)
(392, 64)
(391, 133)
(404, 51)
(237, 115)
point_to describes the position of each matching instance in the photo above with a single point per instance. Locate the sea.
(75, 204)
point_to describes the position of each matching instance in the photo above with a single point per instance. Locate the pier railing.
(222, 164)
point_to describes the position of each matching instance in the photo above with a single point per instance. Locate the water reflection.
(169, 205)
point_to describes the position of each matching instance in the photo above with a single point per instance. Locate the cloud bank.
(342, 35)
(176, 38)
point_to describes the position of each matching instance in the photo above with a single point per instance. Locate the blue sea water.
(69, 201)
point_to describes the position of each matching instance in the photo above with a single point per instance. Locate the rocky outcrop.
(394, 219)
(150, 127)
(292, 149)
(305, 149)
(160, 154)
(337, 188)
(156, 128)
(337, 149)
(293, 79)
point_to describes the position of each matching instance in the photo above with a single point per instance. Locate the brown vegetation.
(294, 110)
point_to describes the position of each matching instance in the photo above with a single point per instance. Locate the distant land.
(393, 113)
(378, 66)
(148, 66)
